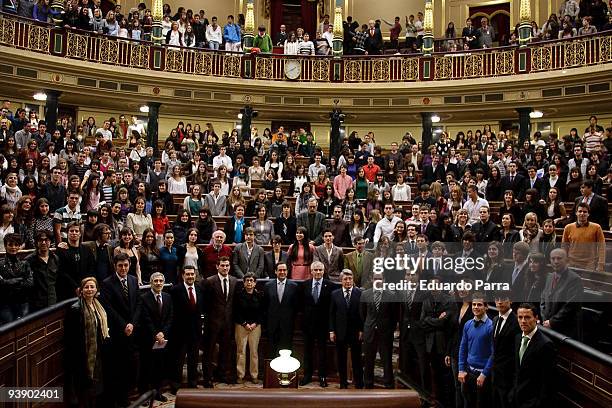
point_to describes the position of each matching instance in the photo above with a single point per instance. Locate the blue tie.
(315, 292)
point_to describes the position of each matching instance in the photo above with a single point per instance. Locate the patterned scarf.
(91, 317)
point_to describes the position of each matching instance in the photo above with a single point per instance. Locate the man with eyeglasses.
(45, 266)
(65, 215)
(54, 191)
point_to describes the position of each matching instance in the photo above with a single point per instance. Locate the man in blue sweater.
(476, 356)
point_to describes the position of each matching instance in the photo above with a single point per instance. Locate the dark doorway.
(294, 14)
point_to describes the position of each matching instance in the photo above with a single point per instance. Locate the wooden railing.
(494, 62)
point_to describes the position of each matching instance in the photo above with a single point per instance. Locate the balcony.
(490, 63)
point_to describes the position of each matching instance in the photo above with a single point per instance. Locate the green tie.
(359, 263)
(524, 343)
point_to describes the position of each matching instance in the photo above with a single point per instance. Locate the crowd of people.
(100, 211)
(187, 28)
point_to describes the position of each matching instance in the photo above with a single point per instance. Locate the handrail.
(35, 316)
(541, 56)
(588, 351)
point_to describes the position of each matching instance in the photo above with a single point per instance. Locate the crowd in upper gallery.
(187, 28)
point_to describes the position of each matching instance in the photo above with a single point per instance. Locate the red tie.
(192, 300)
(585, 200)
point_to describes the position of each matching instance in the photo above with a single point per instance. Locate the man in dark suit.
(121, 300)
(438, 307)
(274, 257)
(470, 35)
(248, 256)
(428, 228)
(434, 171)
(519, 267)
(280, 304)
(188, 306)
(514, 181)
(219, 292)
(286, 224)
(485, 229)
(346, 328)
(505, 330)
(156, 321)
(533, 182)
(316, 295)
(412, 359)
(535, 367)
(313, 221)
(235, 226)
(378, 313)
(598, 205)
(561, 305)
(100, 253)
(374, 42)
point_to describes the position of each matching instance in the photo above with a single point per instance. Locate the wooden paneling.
(31, 351)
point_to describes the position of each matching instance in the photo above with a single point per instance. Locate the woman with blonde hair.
(86, 335)
(531, 232)
(436, 192)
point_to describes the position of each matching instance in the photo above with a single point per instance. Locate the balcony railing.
(489, 63)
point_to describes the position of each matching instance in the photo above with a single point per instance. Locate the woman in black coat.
(86, 336)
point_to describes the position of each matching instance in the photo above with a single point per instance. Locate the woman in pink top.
(300, 255)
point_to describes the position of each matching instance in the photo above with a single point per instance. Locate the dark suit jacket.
(291, 224)
(563, 305)
(218, 308)
(598, 211)
(384, 319)
(315, 318)
(538, 185)
(516, 185)
(345, 321)
(91, 258)
(485, 232)
(120, 311)
(315, 235)
(270, 264)
(152, 322)
(373, 43)
(503, 354)
(518, 287)
(430, 175)
(534, 377)
(229, 230)
(280, 314)
(436, 329)
(187, 321)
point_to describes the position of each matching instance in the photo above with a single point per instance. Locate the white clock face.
(293, 69)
